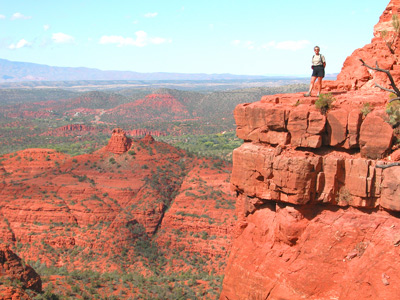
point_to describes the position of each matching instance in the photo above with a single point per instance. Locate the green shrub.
(366, 109)
(393, 111)
(324, 102)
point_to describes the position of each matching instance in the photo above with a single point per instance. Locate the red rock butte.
(119, 142)
(317, 205)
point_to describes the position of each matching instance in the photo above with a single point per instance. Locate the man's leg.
(319, 85)
(311, 86)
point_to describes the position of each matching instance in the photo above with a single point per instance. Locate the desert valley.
(114, 191)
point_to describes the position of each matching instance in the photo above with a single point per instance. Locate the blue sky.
(247, 37)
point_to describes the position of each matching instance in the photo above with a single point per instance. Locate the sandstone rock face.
(311, 252)
(303, 126)
(391, 189)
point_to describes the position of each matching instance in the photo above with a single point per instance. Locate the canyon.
(136, 207)
(318, 192)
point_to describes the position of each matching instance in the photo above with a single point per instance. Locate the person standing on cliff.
(318, 65)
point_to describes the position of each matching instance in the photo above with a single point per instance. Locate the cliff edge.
(317, 203)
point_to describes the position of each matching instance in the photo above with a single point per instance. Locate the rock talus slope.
(318, 211)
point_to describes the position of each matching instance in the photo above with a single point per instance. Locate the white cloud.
(46, 27)
(2, 17)
(285, 45)
(292, 45)
(19, 16)
(244, 44)
(21, 44)
(62, 38)
(236, 42)
(141, 40)
(151, 15)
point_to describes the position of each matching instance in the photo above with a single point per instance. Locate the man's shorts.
(318, 71)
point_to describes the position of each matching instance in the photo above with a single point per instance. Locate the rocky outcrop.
(290, 120)
(74, 129)
(119, 142)
(12, 269)
(317, 205)
(82, 129)
(299, 177)
(144, 132)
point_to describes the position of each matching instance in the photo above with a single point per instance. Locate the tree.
(395, 89)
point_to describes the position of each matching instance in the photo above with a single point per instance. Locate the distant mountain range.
(11, 71)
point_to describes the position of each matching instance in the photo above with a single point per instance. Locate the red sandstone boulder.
(290, 225)
(251, 170)
(395, 155)
(305, 126)
(376, 137)
(358, 180)
(295, 178)
(297, 125)
(280, 138)
(390, 195)
(337, 126)
(353, 128)
(316, 122)
(328, 179)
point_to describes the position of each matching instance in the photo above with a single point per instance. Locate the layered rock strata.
(296, 154)
(314, 206)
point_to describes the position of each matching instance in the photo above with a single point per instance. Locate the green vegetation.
(90, 284)
(393, 111)
(15, 96)
(366, 109)
(212, 145)
(24, 124)
(324, 102)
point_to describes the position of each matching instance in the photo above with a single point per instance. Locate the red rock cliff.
(318, 216)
